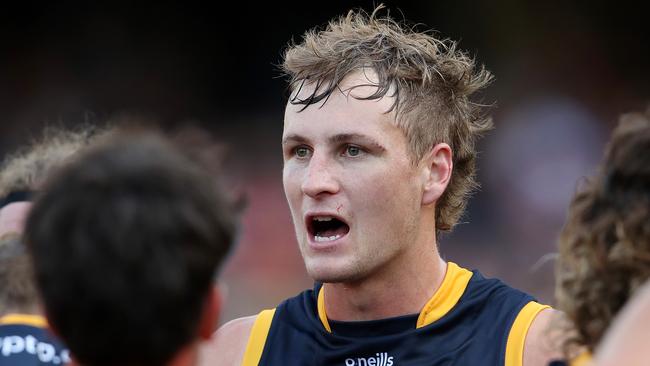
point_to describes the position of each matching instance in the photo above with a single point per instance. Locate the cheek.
(291, 183)
(387, 201)
(292, 192)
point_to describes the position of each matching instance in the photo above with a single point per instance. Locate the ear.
(436, 167)
(210, 316)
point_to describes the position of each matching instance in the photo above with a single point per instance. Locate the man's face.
(355, 197)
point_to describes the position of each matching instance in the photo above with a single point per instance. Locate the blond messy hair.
(27, 168)
(18, 291)
(605, 244)
(430, 80)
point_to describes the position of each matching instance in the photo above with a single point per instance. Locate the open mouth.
(326, 228)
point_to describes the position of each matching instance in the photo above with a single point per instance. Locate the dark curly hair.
(605, 244)
(431, 81)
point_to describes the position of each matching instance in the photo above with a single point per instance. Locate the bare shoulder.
(626, 341)
(542, 343)
(228, 344)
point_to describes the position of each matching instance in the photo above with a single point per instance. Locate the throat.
(380, 298)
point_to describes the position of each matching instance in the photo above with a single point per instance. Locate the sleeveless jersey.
(469, 321)
(25, 341)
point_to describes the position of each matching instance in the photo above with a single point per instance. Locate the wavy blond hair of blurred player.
(18, 291)
(24, 170)
(431, 80)
(28, 167)
(605, 244)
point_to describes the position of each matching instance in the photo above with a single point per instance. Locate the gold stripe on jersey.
(446, 297)
(452, 288)
(257, 339)
(24, 319)
(321, 310)
(518, 332)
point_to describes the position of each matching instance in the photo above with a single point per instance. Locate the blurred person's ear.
(210, 317)
(13, 216)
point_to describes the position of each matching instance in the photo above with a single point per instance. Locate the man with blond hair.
(379, 159)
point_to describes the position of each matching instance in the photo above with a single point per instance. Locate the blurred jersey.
(26, 341)
(470, 320)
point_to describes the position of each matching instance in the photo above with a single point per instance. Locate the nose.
(319, 179)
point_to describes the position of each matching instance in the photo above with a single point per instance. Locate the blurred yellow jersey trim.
(24, 319)
(583, 360)
(257, 339)
(517, 335)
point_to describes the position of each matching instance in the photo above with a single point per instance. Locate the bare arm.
(228, 344)
(541, 345)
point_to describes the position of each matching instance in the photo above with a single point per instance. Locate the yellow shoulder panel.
(517, 335)
(257, 339)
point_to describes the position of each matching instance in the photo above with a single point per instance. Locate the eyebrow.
(344, 137)
(336, 139)
(294, 138)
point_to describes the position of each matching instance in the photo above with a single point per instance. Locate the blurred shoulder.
(228, 344)
(625, 342)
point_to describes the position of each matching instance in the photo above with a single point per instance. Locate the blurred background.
(564, 71)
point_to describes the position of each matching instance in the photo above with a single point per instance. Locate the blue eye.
(301, 152)
(352, 150)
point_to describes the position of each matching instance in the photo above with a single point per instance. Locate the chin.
(331, 273)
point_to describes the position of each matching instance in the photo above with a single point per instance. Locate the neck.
(401, 287)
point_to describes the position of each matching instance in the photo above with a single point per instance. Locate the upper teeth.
(323, 218)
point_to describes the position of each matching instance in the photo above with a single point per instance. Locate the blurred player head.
(126, 242)
(378, 116)
(21, 174)
(605, 244)
(24, 171)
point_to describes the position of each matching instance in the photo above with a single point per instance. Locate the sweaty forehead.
(358, 84)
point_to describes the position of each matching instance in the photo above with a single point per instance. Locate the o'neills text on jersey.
(380, 359)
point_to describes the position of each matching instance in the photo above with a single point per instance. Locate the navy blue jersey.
(25, 341)
(469, 321)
